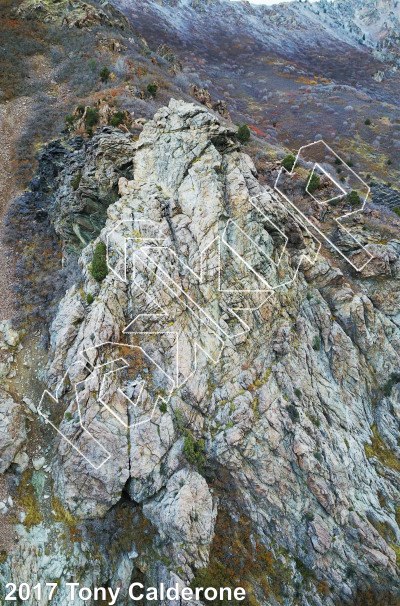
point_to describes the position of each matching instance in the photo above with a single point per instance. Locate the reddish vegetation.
(258, 131)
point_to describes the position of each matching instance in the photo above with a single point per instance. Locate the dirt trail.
(13, 115)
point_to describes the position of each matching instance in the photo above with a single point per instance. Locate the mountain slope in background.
(291, 71)
(373, 22)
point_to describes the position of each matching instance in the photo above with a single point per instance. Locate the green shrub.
(338, 170)
(338, 161)
(288, 162)
(80, 110)
(89, 298)
(91, 119)
(367, 122)
(350, 163)
(69, 120)
(118, 118)
(293, 413)
(152, 89)
(390, 383)
(297, 392)
(75, 181)
(105, 74)
(163, 407)
(194, 450)
(243, 134)
(317, 343)
(99, 268)
(353, 198)
(315, 421)
(318, 456)
(313, 182)
(389, 162)
(396, 210)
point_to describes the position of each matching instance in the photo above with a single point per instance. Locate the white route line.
(104, 454)
(339, 220)
(152, 234)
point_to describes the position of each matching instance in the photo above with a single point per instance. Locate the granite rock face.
(12, 430)
(77, 180)
(281, 397)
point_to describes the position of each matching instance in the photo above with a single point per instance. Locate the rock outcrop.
(12, 430)
(283, 404)
(75, 13)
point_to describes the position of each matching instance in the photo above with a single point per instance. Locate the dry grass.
(378, 449)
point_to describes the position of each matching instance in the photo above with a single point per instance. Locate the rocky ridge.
(373, 22)
(294, 428)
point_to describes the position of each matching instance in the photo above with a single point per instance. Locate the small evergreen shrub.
(315, 421)
(243, 134)
(317, 344)
(389, 162)
(396, 210)
(152, 89)
(89, 298)
(98, 268)
(338, 161)
(91, 119)
(388, 386)
(313, 183)
(118, 118)
(353, 198)
(194, 450)
(163, 407)
(288, 162)
(105, 74)
(297, 392)
(69, 120)
(293, 413)
(367, 122)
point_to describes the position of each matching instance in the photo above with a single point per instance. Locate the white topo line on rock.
(152, 235)
(306, 220)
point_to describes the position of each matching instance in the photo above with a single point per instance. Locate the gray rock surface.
(296, 415)
(12, 430)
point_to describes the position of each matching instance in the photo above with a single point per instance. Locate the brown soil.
(13, 115)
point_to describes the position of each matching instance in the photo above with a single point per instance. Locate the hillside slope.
(291, 71)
